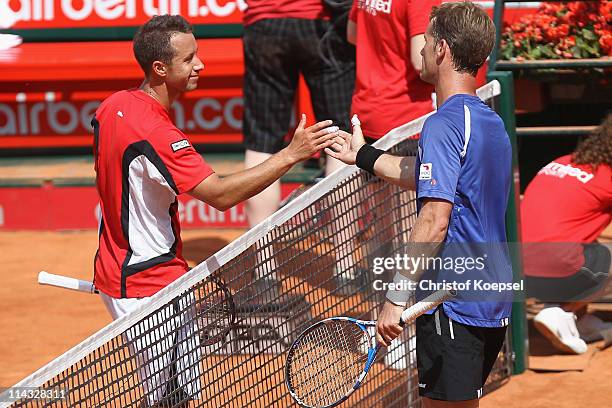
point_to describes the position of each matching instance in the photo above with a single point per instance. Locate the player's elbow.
(213, 192)
(223, 205)
(436, 215)
(439, 228)
(417, 62)
(220, 202)
(417, 43)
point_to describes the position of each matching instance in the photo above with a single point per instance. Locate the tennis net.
(218, 336)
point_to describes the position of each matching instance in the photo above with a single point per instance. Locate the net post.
(505, 108)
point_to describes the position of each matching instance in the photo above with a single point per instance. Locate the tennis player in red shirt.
(565, 209)
(143, 162)
(389, 38)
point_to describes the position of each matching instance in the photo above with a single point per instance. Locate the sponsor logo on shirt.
(561, 170)
(422, 385)
(425, 171)
(375, 6)
(181, 144)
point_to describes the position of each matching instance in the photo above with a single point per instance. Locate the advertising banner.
(40, 14)
(42, 120)
(76, 207)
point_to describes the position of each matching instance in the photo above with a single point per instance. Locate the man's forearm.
(227, 191)
(428, 233)
(424, 242)
(397, 170)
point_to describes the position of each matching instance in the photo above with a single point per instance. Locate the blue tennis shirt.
(465, 157)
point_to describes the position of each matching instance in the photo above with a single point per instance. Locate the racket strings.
(327, 362)
(214, 311)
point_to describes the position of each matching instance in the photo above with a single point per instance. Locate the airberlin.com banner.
(21, 14)
(26, 14)
(213, 119)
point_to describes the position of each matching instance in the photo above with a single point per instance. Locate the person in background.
(565, 209)
(283, 39)
(388, 39)
(388, 90)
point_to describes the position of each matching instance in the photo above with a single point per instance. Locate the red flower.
(577, 6)
(564, 30)
(605, 41)
(556, 28)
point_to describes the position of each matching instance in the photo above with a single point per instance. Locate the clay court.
(40, 323)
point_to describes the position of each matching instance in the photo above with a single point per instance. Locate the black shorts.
(589, 279)
(276, 51)
(454, 359)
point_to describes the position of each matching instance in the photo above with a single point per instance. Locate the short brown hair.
(152, 40)
(468, 31)
(597, 148)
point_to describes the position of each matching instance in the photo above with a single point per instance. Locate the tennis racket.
(330, 359)
(46, 278)
(215, 311)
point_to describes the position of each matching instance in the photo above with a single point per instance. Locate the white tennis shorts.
(166, 346)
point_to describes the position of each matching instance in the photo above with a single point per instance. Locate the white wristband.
(402, 289)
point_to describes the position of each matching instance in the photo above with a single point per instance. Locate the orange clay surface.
(40, 322)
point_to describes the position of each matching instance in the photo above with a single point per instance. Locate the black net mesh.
(223, 341)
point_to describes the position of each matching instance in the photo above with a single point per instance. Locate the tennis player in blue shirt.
(462, 179)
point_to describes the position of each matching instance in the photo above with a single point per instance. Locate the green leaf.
(588, 34)
(507, 53)
(548, 51)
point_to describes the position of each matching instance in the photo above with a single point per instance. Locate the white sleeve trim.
(468, 129)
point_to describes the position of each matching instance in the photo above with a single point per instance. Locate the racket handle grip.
(45, 278)
(430, 302)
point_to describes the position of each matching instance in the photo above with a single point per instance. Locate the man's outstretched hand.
(345, 146)
(307, 141)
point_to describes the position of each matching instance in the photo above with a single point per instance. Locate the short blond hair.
(468, 31)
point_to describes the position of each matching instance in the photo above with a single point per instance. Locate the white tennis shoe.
(559, 327)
